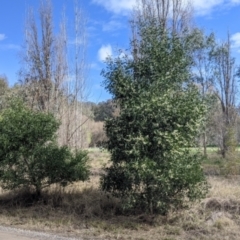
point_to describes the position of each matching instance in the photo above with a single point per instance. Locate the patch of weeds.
(173, 230)
(169, 238)
(222, 223)
(189, 225)
(130, 225)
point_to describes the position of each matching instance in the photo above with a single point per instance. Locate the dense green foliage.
(161, 113)
(29, 155)
(103, 110)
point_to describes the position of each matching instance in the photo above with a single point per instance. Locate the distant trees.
(161, 112)
(104, 110)
(203, 76)
(216, 75)
(29, 155)
(225, 76)
(101, 111)
(98, 138)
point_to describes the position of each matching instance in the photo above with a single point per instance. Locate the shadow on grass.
(89, 207)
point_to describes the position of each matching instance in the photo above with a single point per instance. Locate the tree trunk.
(205, 144)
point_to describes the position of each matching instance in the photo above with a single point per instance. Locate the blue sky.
(107, 30)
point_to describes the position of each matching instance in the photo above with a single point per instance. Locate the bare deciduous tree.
(170, 14)
(175, 15)
(226, 90)
(53, 82)
(37, 74)
(203, 74)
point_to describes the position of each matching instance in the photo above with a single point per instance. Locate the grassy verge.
(83, 210)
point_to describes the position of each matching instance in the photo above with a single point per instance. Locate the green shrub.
(29, 155)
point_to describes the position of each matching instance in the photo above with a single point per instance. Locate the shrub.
(29, 155)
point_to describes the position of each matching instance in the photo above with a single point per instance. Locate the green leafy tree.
(29, 156)
(161, 112)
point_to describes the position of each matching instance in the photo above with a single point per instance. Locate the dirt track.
(7, 233)
(11, 236)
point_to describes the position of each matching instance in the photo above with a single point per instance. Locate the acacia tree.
(160, 114)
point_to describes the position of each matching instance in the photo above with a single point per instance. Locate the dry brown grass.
(83, 210)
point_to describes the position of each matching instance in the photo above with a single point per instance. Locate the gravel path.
(7, 233)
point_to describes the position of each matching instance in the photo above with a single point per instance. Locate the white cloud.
(117, 6)
(78, 41)
(112, 25)
(235, 38)
(201, 7)
(95, 66)
(2, 36)
(9, 47)
(104, 52)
